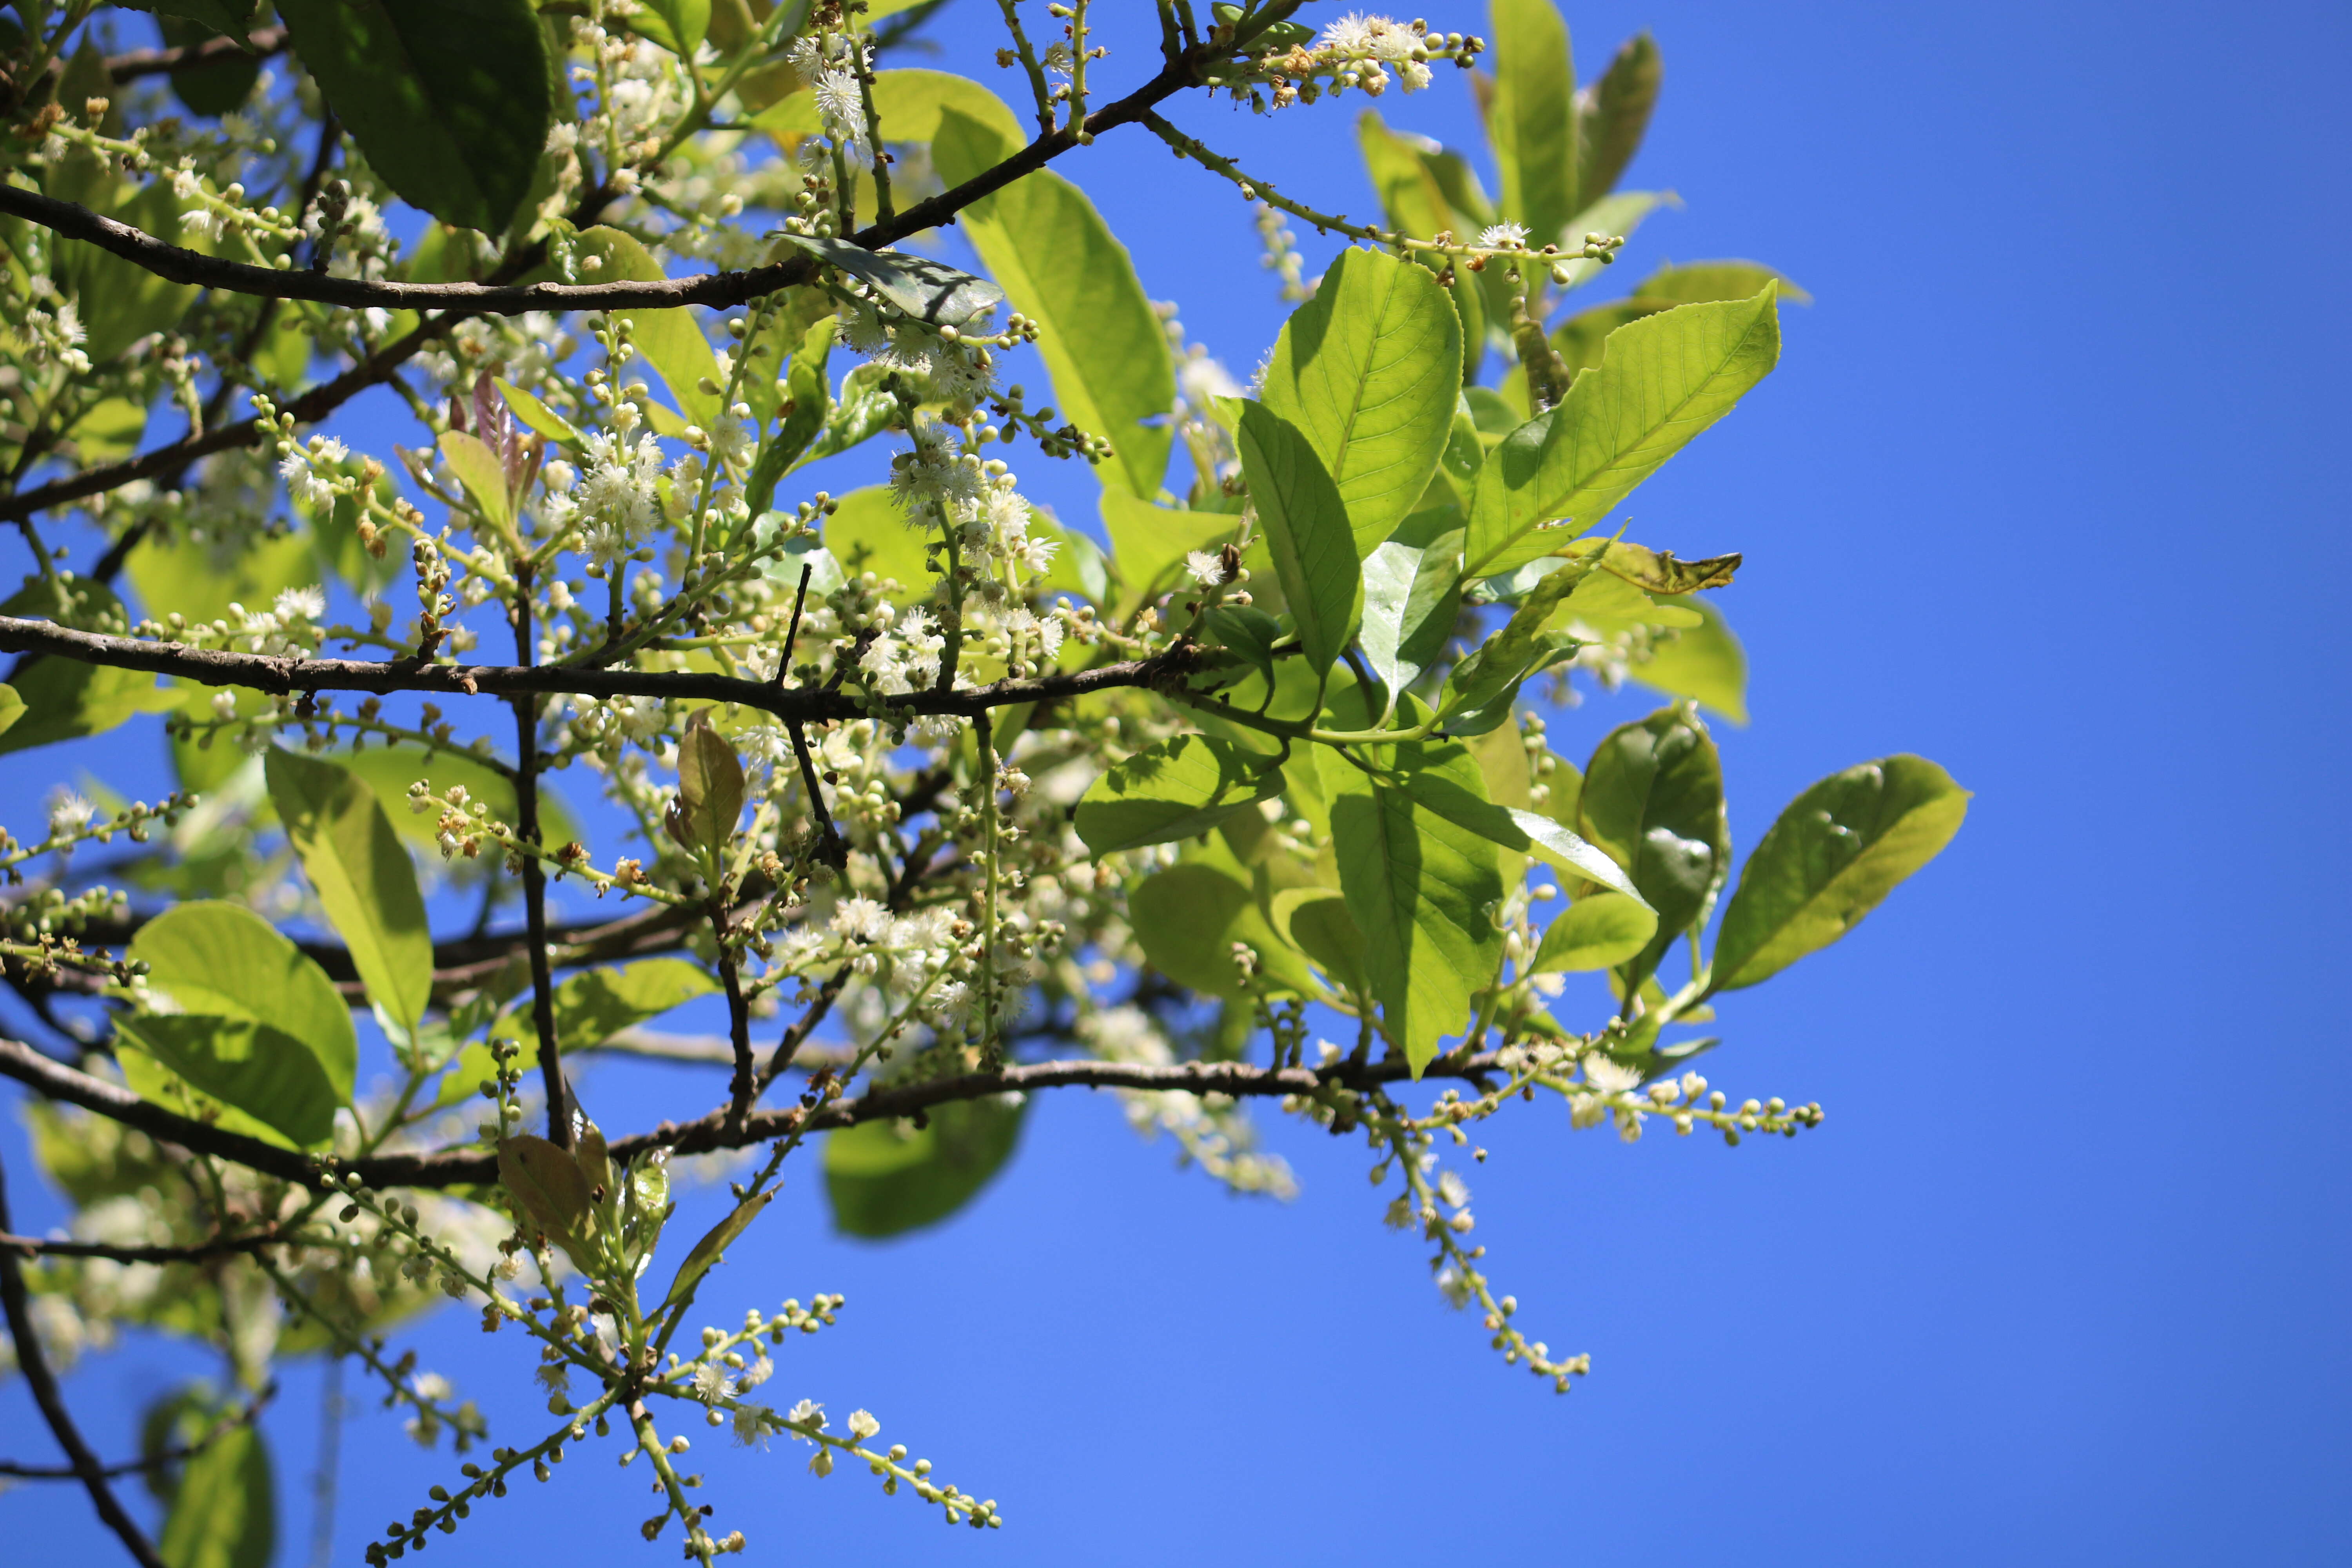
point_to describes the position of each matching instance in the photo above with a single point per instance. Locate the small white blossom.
(68, 813)
(301, 603)
(1503, 237)
(1205, 567)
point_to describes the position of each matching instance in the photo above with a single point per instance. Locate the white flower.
(758, 1372)
(862, 918)
(1206, 567)
(711, 1383)
(1415, 74)
(805, 1412)
(862, 1426)
(301, 603)
(1604, 1076)
(1352, 34)
(68, 813)
(1503, 237)
(752, 1424)
(559, 475)
(821, 1463)
(842, 110)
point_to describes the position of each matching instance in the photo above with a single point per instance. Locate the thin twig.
(258, 45)
(35, 1364)
(219, 1247)
(534, 876)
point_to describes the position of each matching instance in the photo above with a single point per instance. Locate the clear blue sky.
(2050, 486)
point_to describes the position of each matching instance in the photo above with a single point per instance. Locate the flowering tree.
(952, 802)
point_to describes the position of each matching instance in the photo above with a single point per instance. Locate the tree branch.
(35, 1366)
(258, 45)
(219, 1247)
(713, 288)
(279, 676)
(473, 1167)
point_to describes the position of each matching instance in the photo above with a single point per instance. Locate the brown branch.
(714, 288)
(219, 1247)
(35, 1366)
(155, 1461)
(469, 1167)
(258, 45)
(263, 672)
(534, 880)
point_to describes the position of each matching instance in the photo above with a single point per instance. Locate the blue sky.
(2050, 486)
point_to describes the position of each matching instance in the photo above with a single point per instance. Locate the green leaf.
(1148, 544)
(1480, 690)
(1414, 201)
(1317, 922)
(911, 105)
(1187, 918)
(1421, 889)
(1655, 571)
(214, 90)
(12, 707)
(267, 1073)
(1620, 214)
(1654, 801)
(1102, 342)
(390, 770)
(221, 959)
(1695, 282)
(1441, 793)
(1662, 381)
(869, 532)
(548, 1192)
(1703, 662)
(812, 399)
(1307, 533)
(684, 23)
(1596, 933)
(200, 578)
(122, 301)
(669, 340)
(1532, 118)
(709, 799)
(589, 1008)
(480, 470)
(1368, 369)
(705, 1255)
(65, 698)
(1411, 596)
(362, 876)
(885, 1178)
(448, 98)
(223, 1513)
(926, 290)
(1837, 850)
(1612, 114)
(1178, 789)
(537, 416)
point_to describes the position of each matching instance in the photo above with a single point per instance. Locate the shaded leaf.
(706, 1254)
(448, 98)
(267, 1073)
(549, 1192)
(65, 698)
(885, 1178)
(223, 1513)
(709, 799)
(1317, 922)
(1836, 850)
(926, 290)
(1653, 799)
(1421, 888)
(1187, 918)
(1703, 662)
(1177, 789)
(1655, 571)
(1412, 596)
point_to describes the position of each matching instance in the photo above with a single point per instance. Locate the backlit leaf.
(1368, 372)
(1703, 662)
(670, 340)
(1612, 114)
(1307, 533)
(1103, 344)
(1663, 380)
(362, 876)
(220, 959)
(1531, 118)
(265, 1072)
(1653, 800)
(1598, 931)
(223, 1513)
(1837, 850)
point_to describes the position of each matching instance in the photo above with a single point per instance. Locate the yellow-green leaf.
(363, 876)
